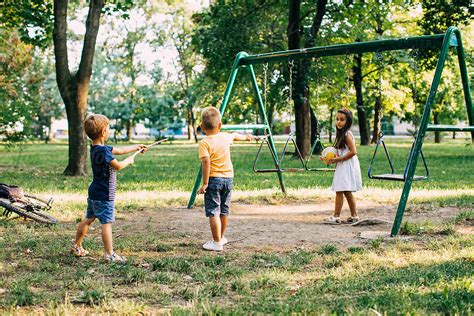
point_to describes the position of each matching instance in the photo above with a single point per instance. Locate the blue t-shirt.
(104, 180)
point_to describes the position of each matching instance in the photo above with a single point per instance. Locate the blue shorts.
(217, 197)
(103, 210)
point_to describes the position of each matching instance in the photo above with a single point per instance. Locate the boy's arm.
(206, 170)
(118, 165)
(128, 149)
(242, 137)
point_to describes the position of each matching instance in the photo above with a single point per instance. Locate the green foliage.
(20, 294)
(32, 18)
(16, 76)
(438, 15)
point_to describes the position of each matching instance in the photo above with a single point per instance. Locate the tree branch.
(92, 29)
(63, 75)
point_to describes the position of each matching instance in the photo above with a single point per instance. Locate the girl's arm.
(352, 150)
(128, 149)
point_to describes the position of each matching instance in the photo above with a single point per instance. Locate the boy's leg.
(215, 223)
(223, 219)
(339, 203)
(225, 204)
(82, 229)
(107, 238)
(351, 202)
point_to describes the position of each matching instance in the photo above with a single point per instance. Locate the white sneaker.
(332, 220)
(213, 246)
(223, 241)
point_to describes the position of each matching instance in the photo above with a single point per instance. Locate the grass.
(428, 273)
(174, 167)
(426, 276)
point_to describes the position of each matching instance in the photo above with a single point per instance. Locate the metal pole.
(423, 42)
(421, 133)
(465, 80)
(227, 94)
(265, 121)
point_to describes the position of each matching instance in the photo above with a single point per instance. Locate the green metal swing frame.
(442, 42)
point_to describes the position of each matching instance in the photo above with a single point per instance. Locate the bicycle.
(14, 200)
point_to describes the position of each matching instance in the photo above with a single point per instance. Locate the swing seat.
(396, 177)
(278, 163)
(320, 146)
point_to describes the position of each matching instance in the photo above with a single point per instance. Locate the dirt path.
(272, 226)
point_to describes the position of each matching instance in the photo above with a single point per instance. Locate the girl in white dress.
(347, 177)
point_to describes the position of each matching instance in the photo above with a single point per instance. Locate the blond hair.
(210, 118)
(94, 125)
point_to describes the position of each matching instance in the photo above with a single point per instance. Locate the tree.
(301, 94)
(73, 85)
(438, 15)
(181, 37)
(15, 107)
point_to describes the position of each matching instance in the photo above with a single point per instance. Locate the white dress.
(347, 176)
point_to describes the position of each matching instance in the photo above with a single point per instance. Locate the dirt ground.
(262, 227)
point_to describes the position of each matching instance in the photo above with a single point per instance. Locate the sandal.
(115, 258)
(78, 251)
(352, 219)
(332, 220)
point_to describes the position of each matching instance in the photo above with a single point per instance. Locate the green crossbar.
(245, 127)
(449, 128)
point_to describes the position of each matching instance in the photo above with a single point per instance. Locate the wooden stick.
(151, 145)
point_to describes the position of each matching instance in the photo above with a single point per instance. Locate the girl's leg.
(215, 223)
(82, 229)
(107, 238)
(339, 203)
(351, 202)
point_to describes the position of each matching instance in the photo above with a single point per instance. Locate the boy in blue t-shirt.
(100, 203)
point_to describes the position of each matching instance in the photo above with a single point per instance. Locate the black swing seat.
(278, 162)
(320, 147)
(396, 177)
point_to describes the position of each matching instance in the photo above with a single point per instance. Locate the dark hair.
(340, 141)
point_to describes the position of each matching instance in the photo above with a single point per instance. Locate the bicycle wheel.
(39, 202)
(35, 215)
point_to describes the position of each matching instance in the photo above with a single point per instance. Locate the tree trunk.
(436, 121)
(129, 126)
(192, 125)
(361, 114)
(301, 91)
(314, 126)
(377, 119)
(74, 88)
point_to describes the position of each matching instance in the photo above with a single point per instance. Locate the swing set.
(441, 42)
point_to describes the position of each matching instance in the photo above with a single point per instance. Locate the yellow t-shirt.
(217, 148)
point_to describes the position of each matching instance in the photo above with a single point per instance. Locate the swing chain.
(265, 76)
(316, 94)
(346, 87)
(291, 64)
(414, 54)
(379, 62)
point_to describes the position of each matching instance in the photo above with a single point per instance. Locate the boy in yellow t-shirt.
(217, 174)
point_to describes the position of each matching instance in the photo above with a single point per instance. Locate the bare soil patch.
(259, 227)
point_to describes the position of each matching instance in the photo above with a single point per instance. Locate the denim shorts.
(217, 197)
(103, 210)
